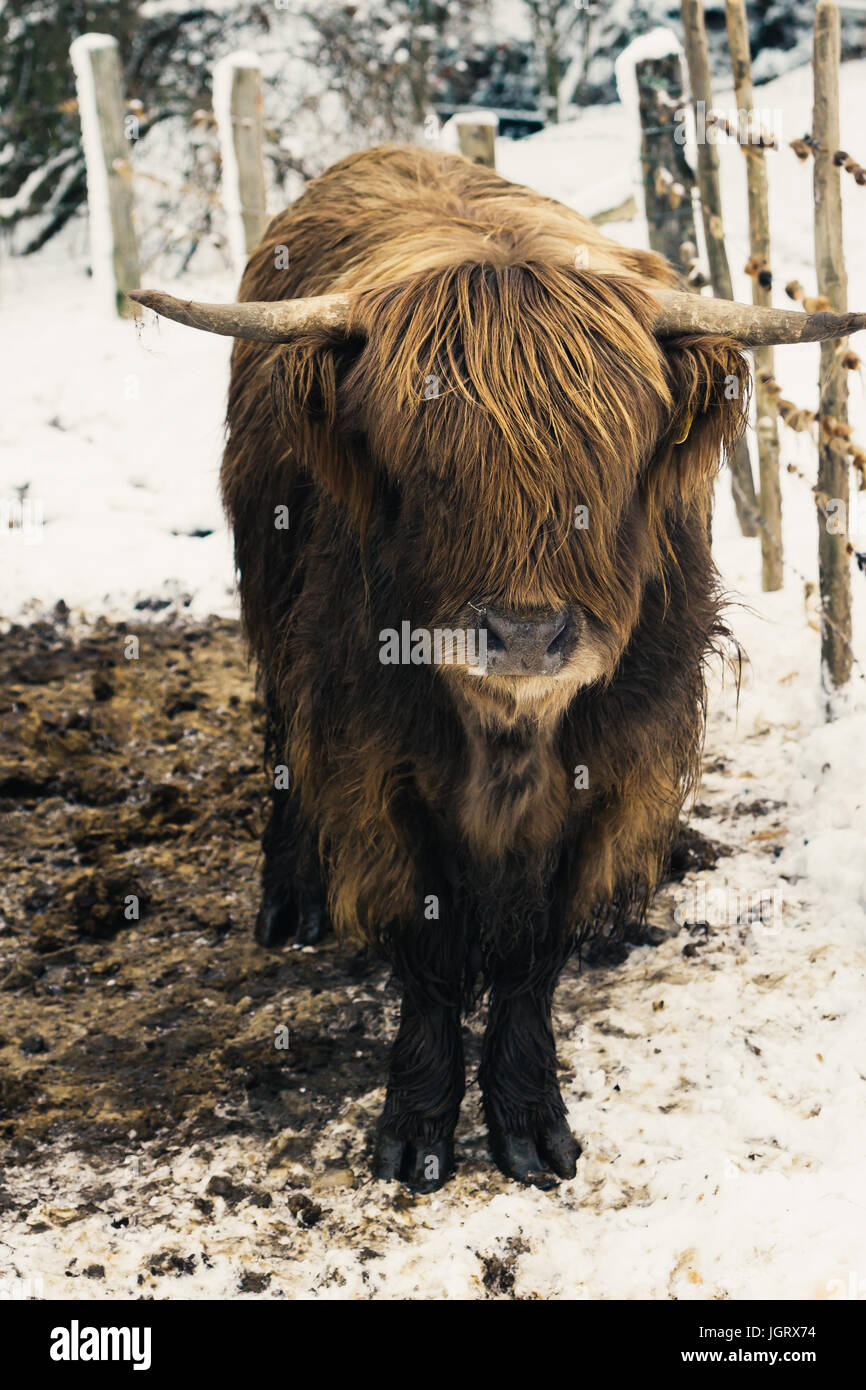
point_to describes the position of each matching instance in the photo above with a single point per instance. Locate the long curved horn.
(753, 325)
(264, 322)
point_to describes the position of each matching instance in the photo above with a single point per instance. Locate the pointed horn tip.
(836, 323)
(149, 298)
(145, 299)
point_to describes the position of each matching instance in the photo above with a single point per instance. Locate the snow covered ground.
(719, 1092)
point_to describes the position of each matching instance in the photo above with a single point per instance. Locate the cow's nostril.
(498, 632)
(558, 640)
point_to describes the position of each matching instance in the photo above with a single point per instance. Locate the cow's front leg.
(529, 1138)
(426, 1078)
(293, 897)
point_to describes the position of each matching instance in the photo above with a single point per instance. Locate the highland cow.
(479, 416)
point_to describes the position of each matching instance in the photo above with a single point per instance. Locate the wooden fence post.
(698, 60)
(476, 132)
(759, 244)
(834, 568)
(114, 253)
(237, 104)
(667, 177)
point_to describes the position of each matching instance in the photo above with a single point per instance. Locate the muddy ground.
(132, 783)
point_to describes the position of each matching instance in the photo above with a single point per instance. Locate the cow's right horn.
(278, 321)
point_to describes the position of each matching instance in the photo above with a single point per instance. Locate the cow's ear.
(709, 384)
(311, 401)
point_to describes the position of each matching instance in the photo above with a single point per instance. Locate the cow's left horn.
(753, 325)
(265, 322)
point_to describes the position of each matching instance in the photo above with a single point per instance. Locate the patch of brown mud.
(135, 786)
(135, 1004)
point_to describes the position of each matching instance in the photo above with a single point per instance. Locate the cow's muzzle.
(528, 644)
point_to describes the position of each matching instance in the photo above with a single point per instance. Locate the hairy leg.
(529, 1138)
(426, 1079)
(293, 896)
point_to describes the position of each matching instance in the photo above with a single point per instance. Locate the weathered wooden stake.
(476, 132)
(114, 252)
(759, 243)
(667, 177)
(834, 568)
(698, 60)
(237, 99)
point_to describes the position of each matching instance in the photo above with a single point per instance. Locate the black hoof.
(538, 1160)
(421, 1165)
(313, 925)
(276, 923)
(559, 1148)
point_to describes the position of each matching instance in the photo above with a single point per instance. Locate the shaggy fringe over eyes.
(532, 349)
(515, 393)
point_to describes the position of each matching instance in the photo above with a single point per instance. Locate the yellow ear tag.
(684, 436)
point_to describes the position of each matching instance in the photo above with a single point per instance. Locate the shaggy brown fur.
(549, 392)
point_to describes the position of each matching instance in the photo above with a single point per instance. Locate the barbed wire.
(182, 190)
